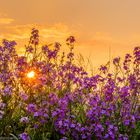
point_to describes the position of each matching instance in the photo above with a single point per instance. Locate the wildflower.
(34, 39)
(126, 122)
(123, 137)
(31, 107)
(29, 49)
(71, 39)
(21, 61)
(57, 46)
(132, 81)
(7, 90)
(45, 48)
(54, 113)
(24, 136)
(103, 69)
(36, 126)
(124, 91)
(96, 107)
(127, 61)
(137, 55)
(46, 115)
(24, 96)
(111, 134)
(106, 136)
(72, 125)
(70, 55)
(24, 120)
(36, 114)
(116, 60)
(9, 44)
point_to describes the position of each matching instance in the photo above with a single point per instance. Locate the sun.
(31, 74)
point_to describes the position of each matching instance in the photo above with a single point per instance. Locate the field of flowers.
(45, 95)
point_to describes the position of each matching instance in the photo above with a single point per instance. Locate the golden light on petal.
(31, 74)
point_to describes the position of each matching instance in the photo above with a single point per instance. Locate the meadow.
(46, 95)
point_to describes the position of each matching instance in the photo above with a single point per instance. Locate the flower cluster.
(59, 100)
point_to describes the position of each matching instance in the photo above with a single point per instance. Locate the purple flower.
(124, 92)
(53, 98)
(103, 69)
(54, 113)
(103, 112)
(71, 39)
(126, 122)
(137, 55)
(24, 136)
(132, 81)
(106, 136)
(36, 126)
(30, 49)
(72, 125)
(67, 99)
(31, 107)
(21, 60)
(34, 39)
(57, 46)
(70, 55)
(127, 61)
(123, 137)
(8, 44)
(7, 90)
(45, 115)
(36, 114)
(111, 127)
(24, 120)
(24, 96)
(45, 48)
(116, 60)
(111, 134)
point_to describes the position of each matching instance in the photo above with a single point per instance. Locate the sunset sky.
(98, 25)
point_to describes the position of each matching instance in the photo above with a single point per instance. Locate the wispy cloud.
(16, 32)
(6, 20)
(95, 44)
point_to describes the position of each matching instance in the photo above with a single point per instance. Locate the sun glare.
(31, 74)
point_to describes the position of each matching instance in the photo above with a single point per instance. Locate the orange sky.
(97, 24)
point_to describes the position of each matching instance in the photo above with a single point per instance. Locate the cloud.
(47, 32)
(57, 31)
(95, 44)
(6, 20)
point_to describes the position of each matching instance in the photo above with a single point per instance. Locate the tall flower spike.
(34, 39)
